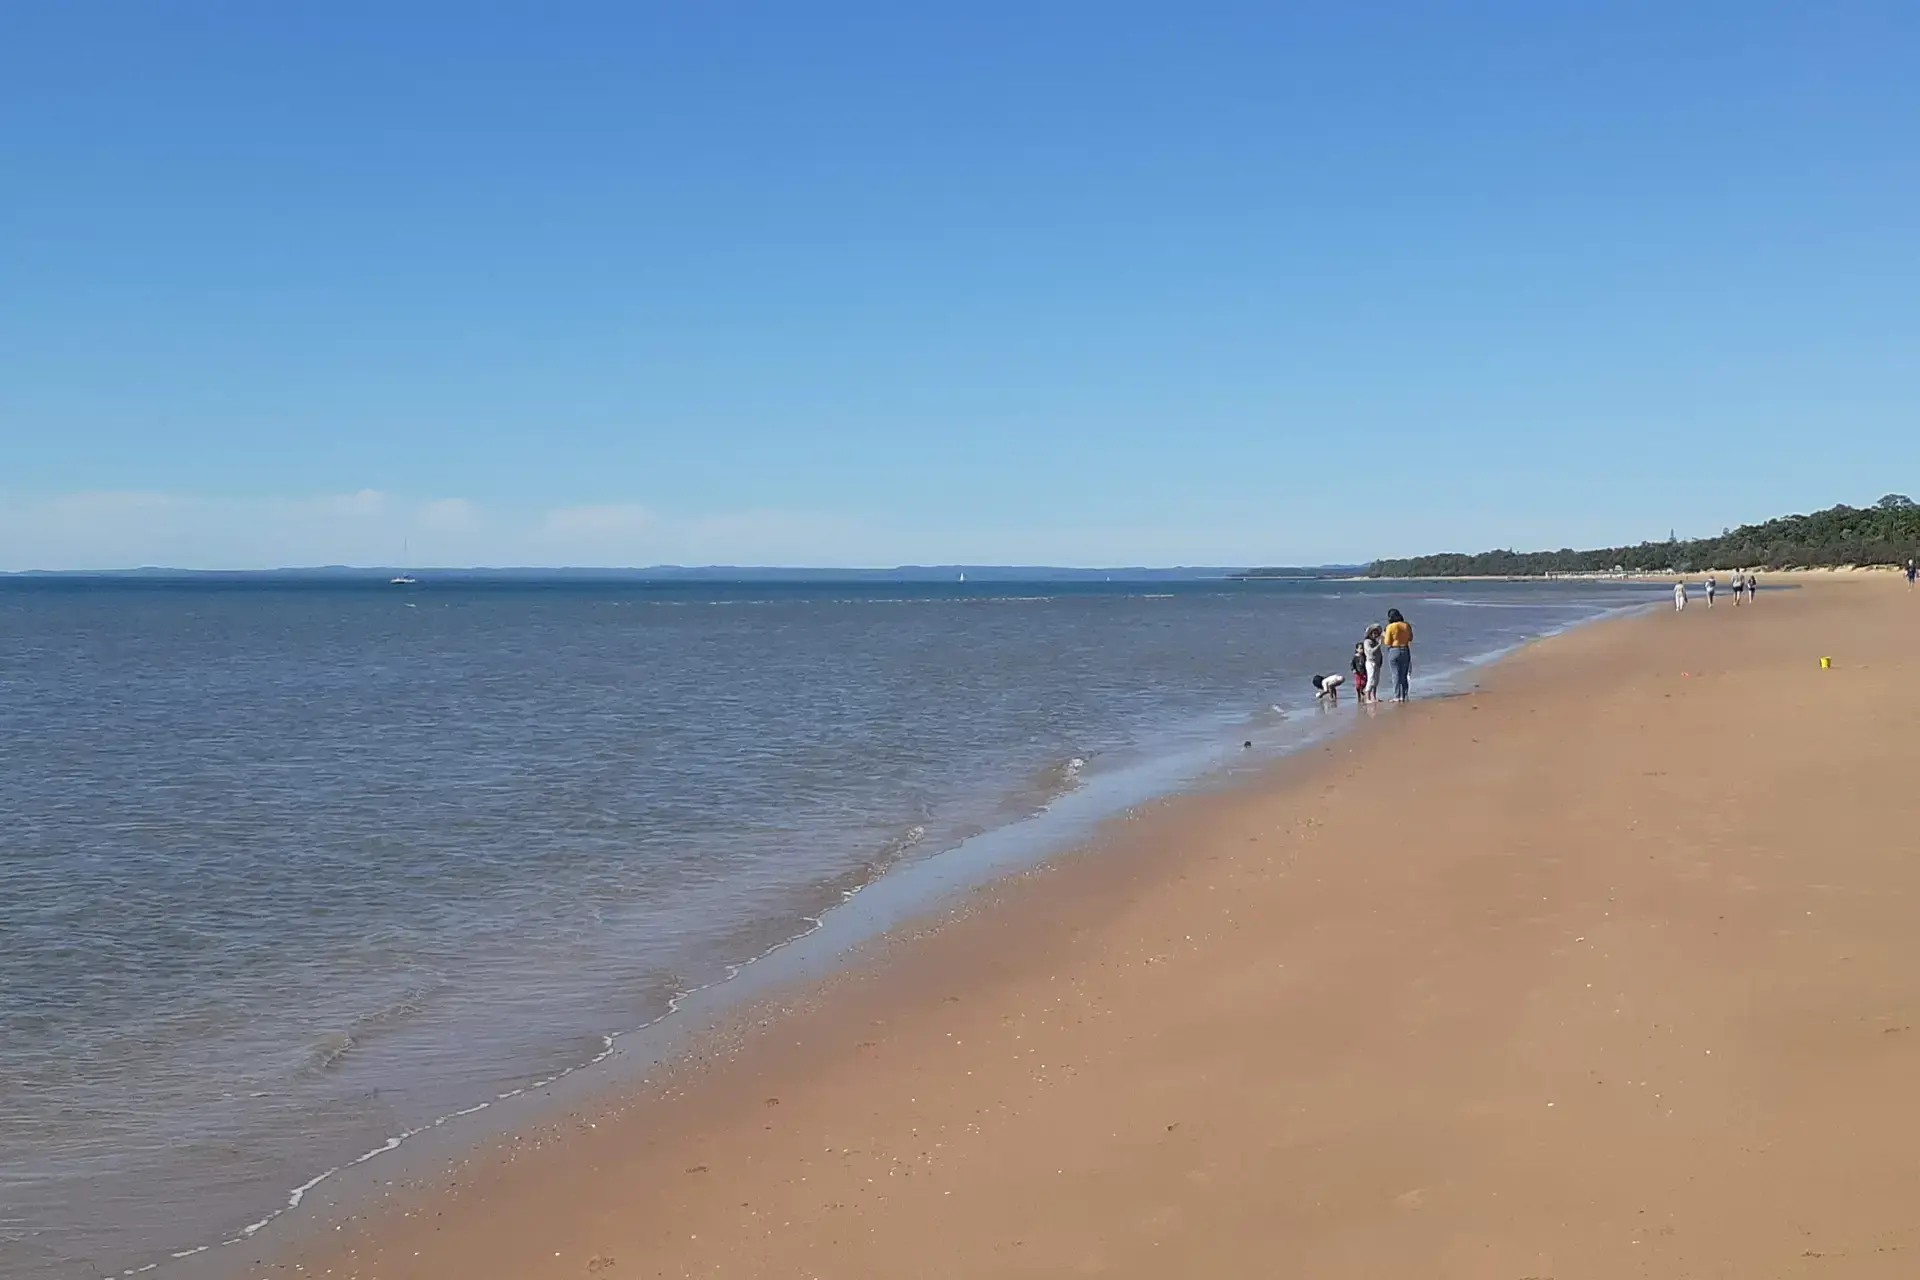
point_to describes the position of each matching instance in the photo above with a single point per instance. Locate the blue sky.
(883, 283)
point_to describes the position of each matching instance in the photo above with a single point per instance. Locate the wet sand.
(1611, 968)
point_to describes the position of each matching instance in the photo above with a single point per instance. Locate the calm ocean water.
(290, 868)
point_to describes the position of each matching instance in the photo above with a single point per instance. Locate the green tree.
(1886, 533)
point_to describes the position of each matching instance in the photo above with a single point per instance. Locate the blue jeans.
(1401, 660)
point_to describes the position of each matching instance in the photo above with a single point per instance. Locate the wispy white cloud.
(365, 504)
(448, 515)
(369, 527)
(107, 506)
(115, 530)
(777, 537)
(121, 529)
(617, 519)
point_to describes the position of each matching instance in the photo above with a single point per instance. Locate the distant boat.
(403, 578)
(963, 575)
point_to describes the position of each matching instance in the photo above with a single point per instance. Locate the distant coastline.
(1887, 533)
(680, 573)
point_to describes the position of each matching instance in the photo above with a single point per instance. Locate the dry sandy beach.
(1609, 969)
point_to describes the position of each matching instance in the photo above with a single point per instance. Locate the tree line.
(1888, 532)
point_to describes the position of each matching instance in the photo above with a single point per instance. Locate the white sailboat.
(403, 578)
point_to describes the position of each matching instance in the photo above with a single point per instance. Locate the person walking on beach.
(1753, 585)
(1679, 597)
(1912, 571)
(1711, 587)
(1399, 644)
(1361, 685)
(1374, 650)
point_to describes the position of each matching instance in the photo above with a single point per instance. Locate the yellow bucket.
(1826, 664)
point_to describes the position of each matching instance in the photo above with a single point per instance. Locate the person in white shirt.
(1327, 688)
(1373, 651)
(1679, 596)
(1712, 586)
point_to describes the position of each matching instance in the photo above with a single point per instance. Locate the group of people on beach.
(1743, 585)
(1386, 647)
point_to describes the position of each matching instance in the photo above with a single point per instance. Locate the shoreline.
(1773, 576)
(716, 1025)
(1188, 1055)
(818, 956)
(717, 1012)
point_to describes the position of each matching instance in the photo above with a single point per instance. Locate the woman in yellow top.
(1399, 639)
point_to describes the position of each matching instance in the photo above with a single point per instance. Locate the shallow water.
(290, 868)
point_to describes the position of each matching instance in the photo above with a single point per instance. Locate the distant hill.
(1888, 532)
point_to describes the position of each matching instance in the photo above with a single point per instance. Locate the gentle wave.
(608, 1042)
(334, 1047)
(1446, 602)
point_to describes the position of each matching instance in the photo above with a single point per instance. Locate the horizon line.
(955, 567)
